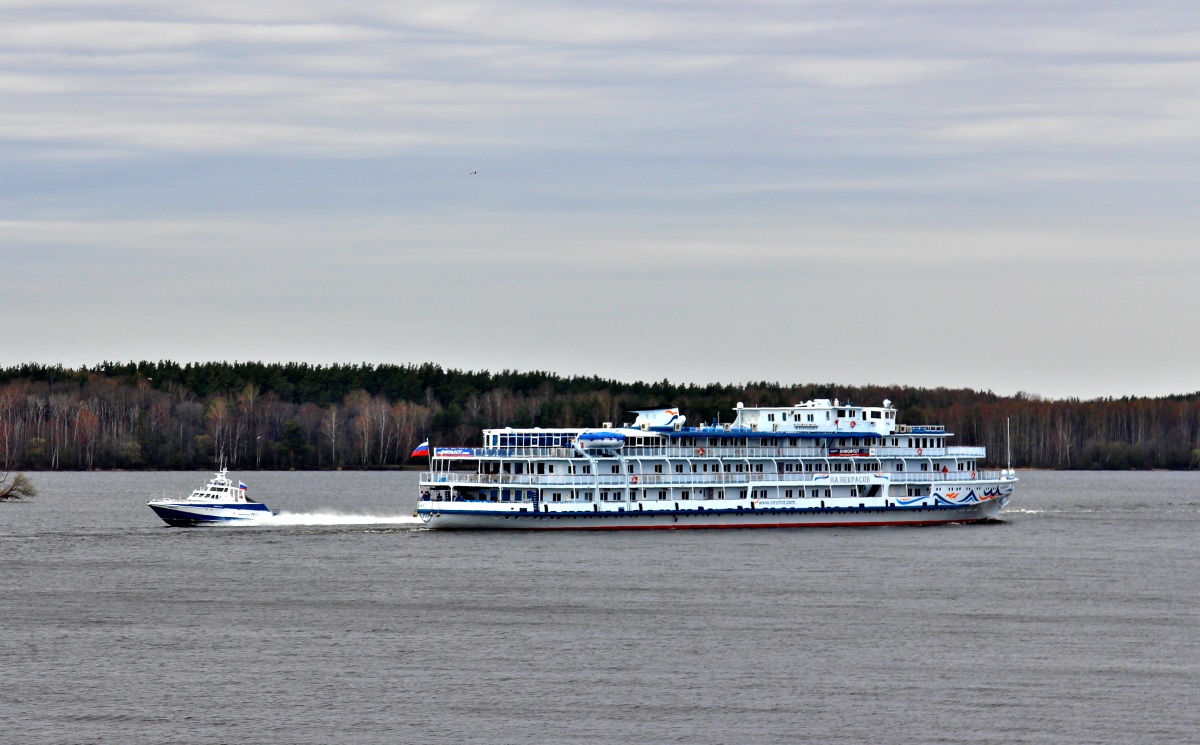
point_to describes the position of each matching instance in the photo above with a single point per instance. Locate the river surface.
(1074, 620)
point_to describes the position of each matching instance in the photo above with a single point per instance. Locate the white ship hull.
(458, 516)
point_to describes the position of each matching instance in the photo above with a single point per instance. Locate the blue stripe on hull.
(240, 506)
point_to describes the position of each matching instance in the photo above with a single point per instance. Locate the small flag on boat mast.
(242, 485)
(422, 450)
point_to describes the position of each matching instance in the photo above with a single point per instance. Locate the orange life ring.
(972, 474)
(853, 425)
(920, 451)
(635, 479)
(700, 451)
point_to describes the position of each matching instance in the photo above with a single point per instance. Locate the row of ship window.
(728, 467)
(864, 414)
(606, 495)
(564, 440)
(784, 417)
(616, 495)
(907, 442)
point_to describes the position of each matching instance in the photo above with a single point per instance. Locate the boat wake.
(288, 519)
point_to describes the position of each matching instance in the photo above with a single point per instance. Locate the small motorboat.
(220, 502)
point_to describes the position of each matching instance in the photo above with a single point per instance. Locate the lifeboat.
(601, 441)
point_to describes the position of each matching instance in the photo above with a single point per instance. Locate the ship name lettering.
(850, 479)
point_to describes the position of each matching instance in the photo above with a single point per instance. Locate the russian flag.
(242, 485)
(422, 450)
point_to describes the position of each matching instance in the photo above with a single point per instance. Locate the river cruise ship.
(818, 463)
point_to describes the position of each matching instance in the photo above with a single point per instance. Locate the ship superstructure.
(818, 463)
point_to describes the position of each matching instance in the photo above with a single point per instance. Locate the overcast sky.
(1000, 195)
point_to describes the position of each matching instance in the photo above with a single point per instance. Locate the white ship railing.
(633, 453)
(686, 479)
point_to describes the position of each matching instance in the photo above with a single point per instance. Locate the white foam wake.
(334, 518)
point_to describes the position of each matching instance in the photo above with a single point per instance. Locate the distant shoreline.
(167, 416)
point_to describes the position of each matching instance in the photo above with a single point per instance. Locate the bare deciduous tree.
(16, 488)
(330, 428)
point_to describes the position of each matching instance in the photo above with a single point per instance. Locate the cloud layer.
(750, 190)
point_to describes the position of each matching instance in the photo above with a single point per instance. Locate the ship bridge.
(818, 415)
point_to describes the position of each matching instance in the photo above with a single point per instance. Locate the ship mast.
(1008, 441)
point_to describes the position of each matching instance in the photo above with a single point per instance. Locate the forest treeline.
(165, 415)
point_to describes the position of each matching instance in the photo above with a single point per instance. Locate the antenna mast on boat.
(1008, 441)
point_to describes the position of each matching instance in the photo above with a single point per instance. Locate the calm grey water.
(1073, 621)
